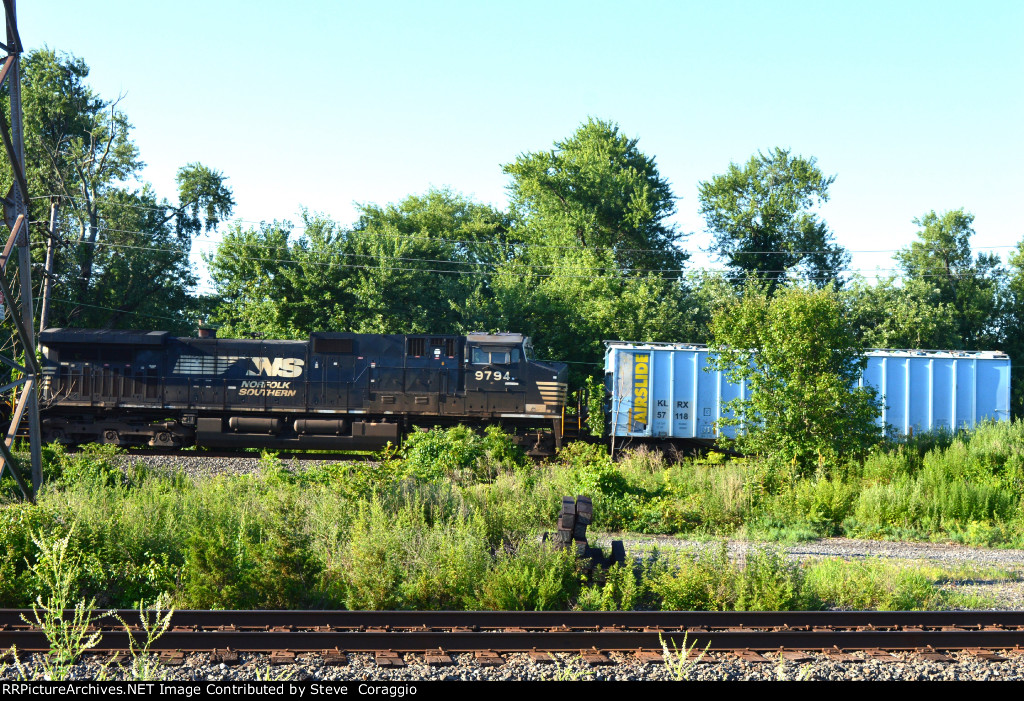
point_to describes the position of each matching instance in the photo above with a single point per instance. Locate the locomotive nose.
(553, 391)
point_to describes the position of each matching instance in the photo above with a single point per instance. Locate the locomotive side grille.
(553, 392)
(205, 364)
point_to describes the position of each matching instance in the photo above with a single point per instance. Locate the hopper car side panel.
(668, 390)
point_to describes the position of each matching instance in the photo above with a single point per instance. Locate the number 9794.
(491, 375)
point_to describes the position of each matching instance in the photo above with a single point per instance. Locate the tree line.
(585, 251)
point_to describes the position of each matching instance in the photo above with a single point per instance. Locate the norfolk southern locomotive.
(336, 391)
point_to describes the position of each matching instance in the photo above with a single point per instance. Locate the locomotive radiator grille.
(205, 364)
(553, 393)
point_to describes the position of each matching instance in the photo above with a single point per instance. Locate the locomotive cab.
(501, 367)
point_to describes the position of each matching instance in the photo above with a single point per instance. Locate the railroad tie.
(172, 658)
(932, 655)
(333, 658)
(834, 653)
(542, 656)
(795, 656)
(388, 658)
(438, 658)
(488, 658)
(649, 657)
(225, 657)
(282, 657)
(880, 655)
(987, 655)
(748, 655)
(595, 657)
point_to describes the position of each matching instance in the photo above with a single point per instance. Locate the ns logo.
(277, 367)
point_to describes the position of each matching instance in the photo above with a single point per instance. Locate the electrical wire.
(496, 242)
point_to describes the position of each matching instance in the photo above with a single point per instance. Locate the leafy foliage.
(413, 267)
(458, 453)
(800, 362)
(122, 253)
(761, 218)
(596, 190)
(941, 263)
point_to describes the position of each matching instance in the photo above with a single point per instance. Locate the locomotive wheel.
(110, 437)
(56, 435)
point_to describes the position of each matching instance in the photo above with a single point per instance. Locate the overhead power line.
(627, 274)
(489, 242)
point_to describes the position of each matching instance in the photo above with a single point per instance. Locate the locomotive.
(334, 391)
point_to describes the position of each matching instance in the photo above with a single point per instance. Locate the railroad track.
(497, 632)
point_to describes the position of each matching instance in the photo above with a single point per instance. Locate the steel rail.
(549, 619)
(413, 631)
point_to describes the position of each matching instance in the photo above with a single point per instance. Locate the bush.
(709, 581)
(620, 588)
(462, 455)
(529, 577)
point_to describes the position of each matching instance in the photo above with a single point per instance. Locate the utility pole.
(51, 244)
(16, 216)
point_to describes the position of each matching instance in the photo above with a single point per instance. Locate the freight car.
(334, 391)
(667, 391)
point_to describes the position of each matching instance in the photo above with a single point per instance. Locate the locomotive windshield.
(494, 356)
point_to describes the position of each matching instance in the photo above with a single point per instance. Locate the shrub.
(620, 590)
(460, 454)
(529, 577)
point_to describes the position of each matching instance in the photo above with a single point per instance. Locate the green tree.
(899, 314)
(941, 267)
(800, 361)
(593, 255)
(251, 290)
(570, 308)
(418, 266)
(421, 261)
(596, 190)
(1011, 326)
(122, 252)
(761, 219)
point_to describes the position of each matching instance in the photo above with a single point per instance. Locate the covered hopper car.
(668, 390)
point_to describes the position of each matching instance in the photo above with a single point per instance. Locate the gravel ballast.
(519, 667)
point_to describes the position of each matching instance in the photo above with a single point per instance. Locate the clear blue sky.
(913, 105)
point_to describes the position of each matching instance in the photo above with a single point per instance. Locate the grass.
(414, 531)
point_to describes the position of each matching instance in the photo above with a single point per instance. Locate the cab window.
(494, 357)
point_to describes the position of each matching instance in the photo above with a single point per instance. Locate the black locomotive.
(336, 391)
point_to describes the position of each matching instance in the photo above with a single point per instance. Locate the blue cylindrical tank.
(667, 390)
